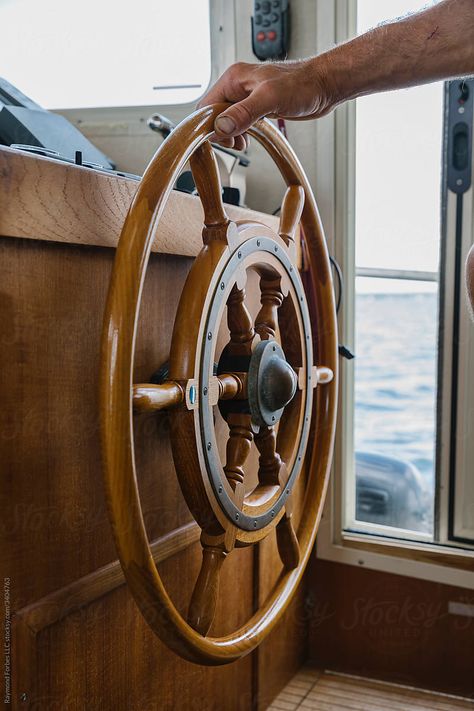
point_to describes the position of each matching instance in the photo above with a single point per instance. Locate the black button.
(266, 23)
(266, 7)
(275, 17)
(258, 19)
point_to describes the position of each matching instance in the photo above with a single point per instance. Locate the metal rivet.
(288, 492)
(299, 459)
(273, 514)
(220, 490)
(239, 254)
(255, 524)
(301, 298)
(222, 285)
(274, 348)
(309, 377)
(273, 418)
(276, 248)
(307, 419)
(209, 446)
(209, 336)
(24, 697)
(291, 269)
(236, 516)
(204, 391)
(258, 243)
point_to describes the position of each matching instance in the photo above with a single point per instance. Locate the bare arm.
(436, 43)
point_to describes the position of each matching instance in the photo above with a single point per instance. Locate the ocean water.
(395, 377)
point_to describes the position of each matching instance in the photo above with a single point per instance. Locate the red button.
(272, 35)
(260, 36)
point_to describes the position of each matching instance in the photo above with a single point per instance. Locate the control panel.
(270, 29)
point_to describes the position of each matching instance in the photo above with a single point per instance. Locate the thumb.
(240, 116)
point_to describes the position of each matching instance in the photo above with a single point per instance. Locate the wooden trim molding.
(32, 619)
(44, 199)
(54, 607)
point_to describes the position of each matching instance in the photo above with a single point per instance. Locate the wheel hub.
(272, 383)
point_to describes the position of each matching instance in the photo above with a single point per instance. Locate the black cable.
(340, 284)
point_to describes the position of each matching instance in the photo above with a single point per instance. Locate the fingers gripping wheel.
(272, 391)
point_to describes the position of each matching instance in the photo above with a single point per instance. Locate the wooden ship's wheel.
(274, 383)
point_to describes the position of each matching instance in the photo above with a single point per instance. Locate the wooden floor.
(312, 689)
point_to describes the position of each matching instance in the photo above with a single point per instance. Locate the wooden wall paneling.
(390, 627)
(61, 557)
(280, 656)
(108, 658)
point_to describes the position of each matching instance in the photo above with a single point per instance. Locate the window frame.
(447, 562)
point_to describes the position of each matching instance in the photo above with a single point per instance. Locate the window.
(102, 54)
(397, 244)
(402, 492)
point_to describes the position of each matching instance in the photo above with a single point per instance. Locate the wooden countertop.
(45, 199)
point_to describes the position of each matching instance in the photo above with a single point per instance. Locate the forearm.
(437, 43)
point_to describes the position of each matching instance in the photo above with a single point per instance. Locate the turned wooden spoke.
(320, 375)
(206, 177)
(148, 397)
(238, 447)
(266, 323)
(270, 461)
(291, 211)
(287, 541)
(239, 323)
(230, 386)
(202, 608)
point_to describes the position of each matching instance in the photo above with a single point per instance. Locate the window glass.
(398, 166)
(395, 403)
(103, 53)
(398, 179)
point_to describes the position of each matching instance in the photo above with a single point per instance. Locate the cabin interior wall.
(391, 627)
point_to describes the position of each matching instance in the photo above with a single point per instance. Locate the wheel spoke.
(231, 386)
(270, 463)
(320, 375)
(239, 323)
(266, 322)
(291, 210)
(238, 447)
(206, 177)
(148, 397)
(202, 608)
(287, 541)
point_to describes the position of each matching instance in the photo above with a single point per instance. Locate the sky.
(398, 171)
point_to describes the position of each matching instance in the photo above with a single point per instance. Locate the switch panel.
(270, 29)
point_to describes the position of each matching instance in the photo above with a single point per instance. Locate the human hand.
(291, 90)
